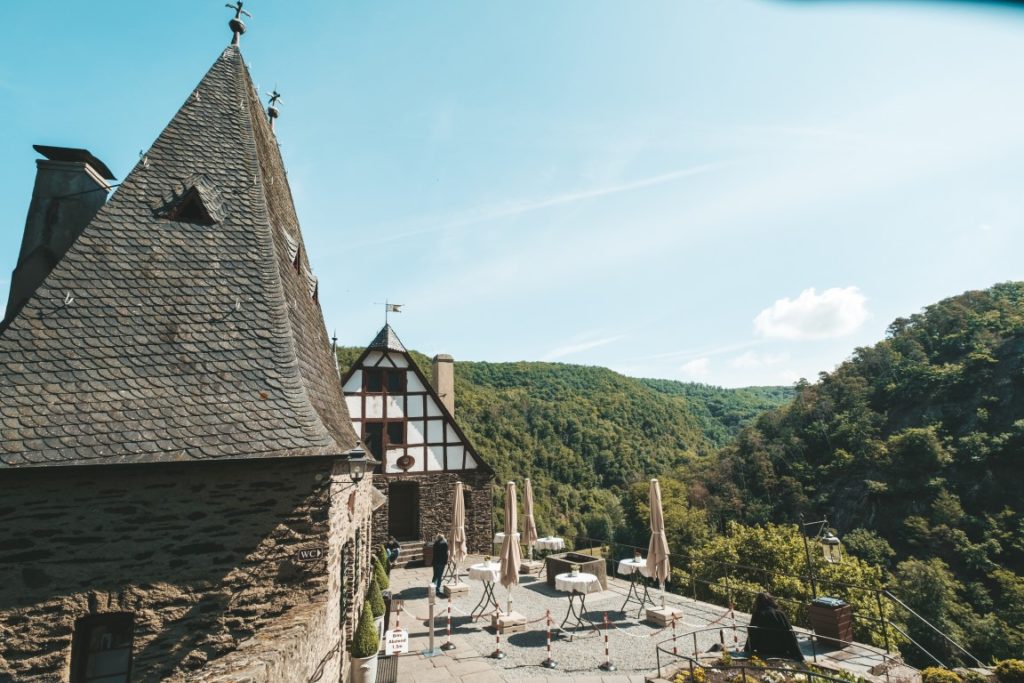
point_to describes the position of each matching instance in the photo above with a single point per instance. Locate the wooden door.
(404, 510)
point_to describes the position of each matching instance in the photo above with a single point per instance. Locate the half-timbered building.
(409, 424)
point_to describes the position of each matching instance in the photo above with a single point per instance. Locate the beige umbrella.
(457, 538)
(510, 557)
(529, 526)
(657, 551)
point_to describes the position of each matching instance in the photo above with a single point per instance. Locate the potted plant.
(365, 645)
(487, 560)
(574, 570)
(376, 602)
(380, 574)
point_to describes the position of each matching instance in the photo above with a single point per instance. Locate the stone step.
(410, 554)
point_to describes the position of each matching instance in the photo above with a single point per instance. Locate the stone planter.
(562, 563)
(364, 669)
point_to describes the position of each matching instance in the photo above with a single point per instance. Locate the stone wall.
(435, 492)
(203, 554)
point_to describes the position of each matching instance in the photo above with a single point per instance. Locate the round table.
(488, 573)
(577, 586)
(633, 568)
(550, 543)
(546, 546)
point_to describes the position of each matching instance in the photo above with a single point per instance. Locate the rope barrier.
(448, 644)
(497, 654)
(548, 663)
(607, 665)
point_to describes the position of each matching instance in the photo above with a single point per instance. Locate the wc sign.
(396, 642)
(310, 554)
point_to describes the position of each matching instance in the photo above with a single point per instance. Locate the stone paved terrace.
(577, 653)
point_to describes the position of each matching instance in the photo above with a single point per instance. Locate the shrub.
(366, 642)
(937, 674)
(697, 676)
(382, 555)
(375, 599)
(1010, 671)
(380, 574)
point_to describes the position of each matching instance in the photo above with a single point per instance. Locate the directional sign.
(310, 554)
(396, 642)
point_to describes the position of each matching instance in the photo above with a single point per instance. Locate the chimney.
(444, 380)
(71, 186)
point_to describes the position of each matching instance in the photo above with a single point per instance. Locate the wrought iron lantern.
(831, 548)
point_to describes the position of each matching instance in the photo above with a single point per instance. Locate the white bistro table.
(635, 567)
(488, 573)
(577, 586)
(550, 543)
(546, 546)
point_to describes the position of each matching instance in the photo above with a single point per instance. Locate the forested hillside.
(583, 434)
(914, 449)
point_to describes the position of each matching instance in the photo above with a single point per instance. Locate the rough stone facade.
(435, 509)
(205, 557)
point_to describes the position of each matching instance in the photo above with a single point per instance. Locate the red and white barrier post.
(607, 666)
(674, 635)
(497, 654)
(448, 644)
(548, 663)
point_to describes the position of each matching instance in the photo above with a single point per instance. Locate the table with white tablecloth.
(487, 573)
(635, 568)
(577, 586)
(550, 543)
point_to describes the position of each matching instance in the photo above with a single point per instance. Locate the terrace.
(636, 647)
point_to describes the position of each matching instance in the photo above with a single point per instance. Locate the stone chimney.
(444, 380)
(71, 186)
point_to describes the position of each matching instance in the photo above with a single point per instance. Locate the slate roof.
(387, 340)
(179, 341)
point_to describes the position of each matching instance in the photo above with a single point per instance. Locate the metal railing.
(661, 648)
(878, 625)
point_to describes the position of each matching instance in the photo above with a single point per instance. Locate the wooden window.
(396, 433)
(101, 648)
(373, 380)
(380, 380)
(373, 437)
(190, 209)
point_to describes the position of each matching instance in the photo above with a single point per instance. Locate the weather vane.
(272, 112)
(236, 24)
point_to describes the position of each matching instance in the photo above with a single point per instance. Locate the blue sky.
(731, 191)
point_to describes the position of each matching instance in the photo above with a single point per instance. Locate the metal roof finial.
(236, 24)
(272, 112)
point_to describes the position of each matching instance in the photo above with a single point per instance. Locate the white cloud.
(836, 312)
(569, 349)
(752, 359)
(698, 368)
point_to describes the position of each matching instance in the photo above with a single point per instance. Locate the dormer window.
(190, 209)
(195, 203)
(101, 648)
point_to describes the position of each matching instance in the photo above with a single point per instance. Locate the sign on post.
(396, 642)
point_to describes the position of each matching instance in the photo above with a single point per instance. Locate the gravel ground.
(631, 641)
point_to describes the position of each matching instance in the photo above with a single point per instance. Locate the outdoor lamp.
(831, 548)
(357, 463)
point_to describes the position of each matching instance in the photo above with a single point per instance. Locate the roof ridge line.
(269, 272)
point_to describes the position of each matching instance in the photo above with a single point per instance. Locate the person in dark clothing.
(440, 560)
(770, 634)
(392, 548)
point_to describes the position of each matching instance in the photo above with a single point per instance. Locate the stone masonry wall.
(203, 554)
(436, 491)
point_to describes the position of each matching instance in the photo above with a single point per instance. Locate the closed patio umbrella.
(510, 556)
(457, 537)
(529, 526)
(657, 552)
